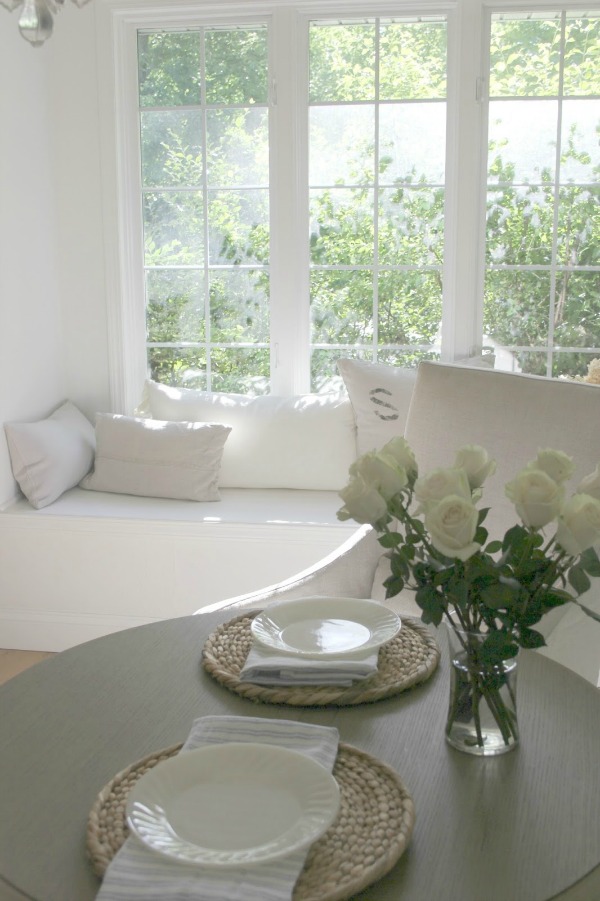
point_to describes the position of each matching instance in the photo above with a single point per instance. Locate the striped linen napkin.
(266, 667)
(136, 872)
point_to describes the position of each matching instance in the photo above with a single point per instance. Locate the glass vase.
(482, 713)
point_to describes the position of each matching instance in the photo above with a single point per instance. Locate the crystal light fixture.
(35, 21)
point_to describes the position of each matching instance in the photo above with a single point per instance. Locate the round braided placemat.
(408, 659)
(370, 833)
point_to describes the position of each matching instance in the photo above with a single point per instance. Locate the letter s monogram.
(388, 417)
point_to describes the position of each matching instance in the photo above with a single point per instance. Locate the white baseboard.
(43, 630)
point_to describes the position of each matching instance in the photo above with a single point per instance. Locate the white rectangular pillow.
(307, 441)
(51, 455)
(151, 458)
(381, 396)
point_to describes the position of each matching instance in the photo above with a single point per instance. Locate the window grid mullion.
(556, 201)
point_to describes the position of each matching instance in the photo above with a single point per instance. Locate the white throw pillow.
(307, 441)
(381, 395)
(151, 458)
(51, 455)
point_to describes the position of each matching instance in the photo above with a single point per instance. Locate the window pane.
(171, 148)
(582, 52)
(169, 68)
(524, 56)
(173, 228)
(406, 360)
(342, 145)
(572, 365)
(517, 307)
(324, 375)
(341, 230)
(239, 309)
(341, 306)
(522, 141)
(412, 143)
(236, 65)
(241, 370)
(342, 62)
(238, 226)
(519, 225)
(577, 309)
(409, 307)
(579, 226)
(580, 141)
(181, 366)
(175, 305)
(237, 147)
(411, 226)
(412, 61)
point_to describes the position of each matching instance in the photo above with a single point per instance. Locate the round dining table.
(522, 826)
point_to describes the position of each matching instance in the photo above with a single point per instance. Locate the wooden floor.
(14, 662)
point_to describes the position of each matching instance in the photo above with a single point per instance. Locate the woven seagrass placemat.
(408, 659)
(370, 833)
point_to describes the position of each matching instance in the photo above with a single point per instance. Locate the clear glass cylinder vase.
(482, 711)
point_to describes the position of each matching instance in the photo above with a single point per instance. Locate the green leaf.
(514, 538)
(578, 579)
(498, 646)
(431, 604)
(500, 595)
(482, 515)
(493, 547)
(481, 536)
(390, 539)
(393, 586)
(399, 565)
(555, 598)
(529, 638)
(590, 562)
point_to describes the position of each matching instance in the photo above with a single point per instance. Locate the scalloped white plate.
(319, 627)
(233, 804)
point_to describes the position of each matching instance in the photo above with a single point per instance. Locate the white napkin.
(136, 872)
(266, 667)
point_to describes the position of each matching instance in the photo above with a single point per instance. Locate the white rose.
(401, 451)
(538, 499)
(380, 472)
(451, 525)
(441, 483)
(591, 484)
(579, 524)
(476, 462)
(362, 502)
(556, 464)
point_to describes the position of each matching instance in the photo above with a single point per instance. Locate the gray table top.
(524, 826)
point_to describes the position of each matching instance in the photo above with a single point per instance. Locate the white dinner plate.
(320, 627)
(233, 804)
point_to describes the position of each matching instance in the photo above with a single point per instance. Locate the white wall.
(52, 300)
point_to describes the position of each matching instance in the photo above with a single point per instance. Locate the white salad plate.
(320, 627)
(233, 804)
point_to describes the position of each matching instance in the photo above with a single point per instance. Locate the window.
(542, 280)
(205, 199)
(360, 186)
(377, 121)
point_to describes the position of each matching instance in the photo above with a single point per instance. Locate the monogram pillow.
(381, 395)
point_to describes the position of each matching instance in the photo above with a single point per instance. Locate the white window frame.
(466, 158)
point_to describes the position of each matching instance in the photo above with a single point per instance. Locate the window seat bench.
(93, 563)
